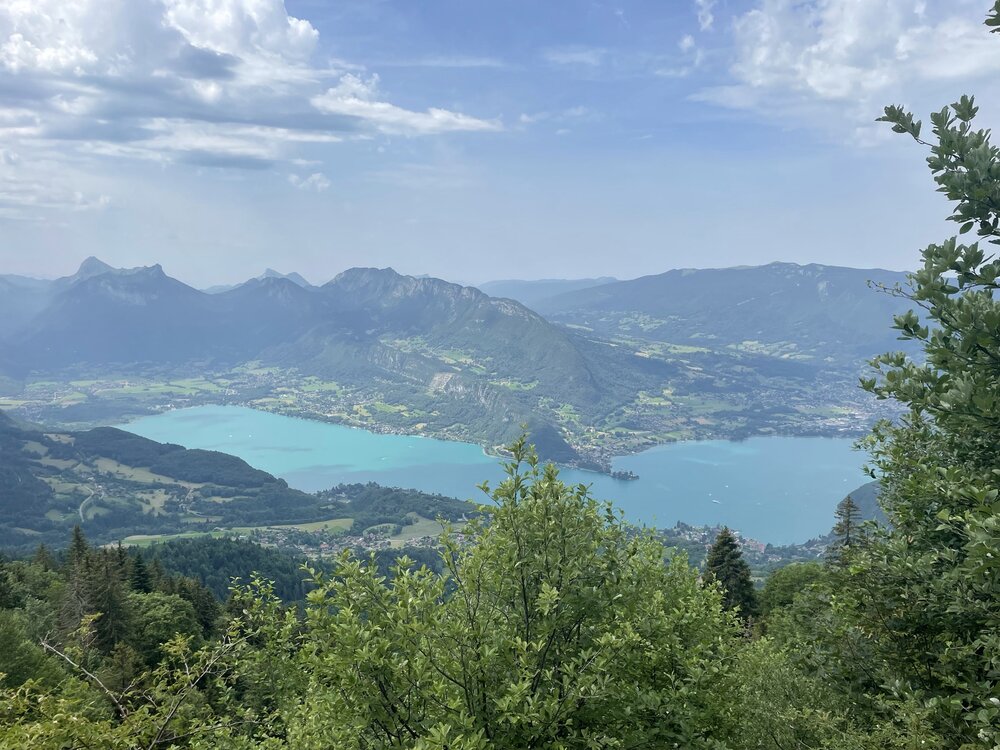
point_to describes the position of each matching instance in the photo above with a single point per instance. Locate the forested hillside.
(116, 484)
(813, 313)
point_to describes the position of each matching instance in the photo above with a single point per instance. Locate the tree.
(846, 532)
(139, 578)
(924, 596)
(726, 566)
(784, 584)
(107, 599)
(78, 548)
(43, 558)
(558, 627)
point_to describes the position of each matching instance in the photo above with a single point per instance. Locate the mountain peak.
(93, 266)
(294, 277)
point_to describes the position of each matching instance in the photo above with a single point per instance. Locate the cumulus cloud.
(211, 82)
(825, 57)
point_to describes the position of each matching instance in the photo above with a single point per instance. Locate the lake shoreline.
(782, 489)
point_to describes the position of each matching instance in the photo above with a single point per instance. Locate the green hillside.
(119, 486)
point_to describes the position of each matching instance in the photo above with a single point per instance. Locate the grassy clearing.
(144, 540)
(333, 524)
(423, 527)
(132, 473)
(153, 501)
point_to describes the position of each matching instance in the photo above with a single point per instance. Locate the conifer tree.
(78, 548)
(8, 596)
(726, 565)
(76, 596)
(107, 599)
(43, 558)
(139, 577)
(847, 530)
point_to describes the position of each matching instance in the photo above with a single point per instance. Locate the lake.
(776, 489)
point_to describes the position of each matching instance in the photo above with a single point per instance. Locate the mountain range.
(612, 365)
(823, 313)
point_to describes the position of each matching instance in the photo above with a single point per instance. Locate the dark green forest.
(550, 623)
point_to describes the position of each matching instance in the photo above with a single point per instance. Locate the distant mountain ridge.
(270, 273)
(616, 366)
(431, 341)
(532, 292)
(824, 313)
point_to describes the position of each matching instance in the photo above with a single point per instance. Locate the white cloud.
(317, 182)
(235, 26)
(356, 97)
(227, 83)
(824, 58)
(691, 59)
(706, 18)
(572, 113)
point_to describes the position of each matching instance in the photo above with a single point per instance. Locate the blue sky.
(473, 140)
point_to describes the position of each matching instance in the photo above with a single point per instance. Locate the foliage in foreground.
(557, 627)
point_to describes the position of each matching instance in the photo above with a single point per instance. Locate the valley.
(614, 372)
(617, 368)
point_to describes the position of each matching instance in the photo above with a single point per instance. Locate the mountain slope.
(116, 483)
(813, 311)
(270, 273)
(22, 298)
(137, 315)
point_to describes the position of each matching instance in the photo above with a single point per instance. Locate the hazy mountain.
(23, 297)
(90, 268)
(135, 315)
(532, 293)
(454, 352)
(19, 303)
(270, 273)
(717, 353)
(813, 311)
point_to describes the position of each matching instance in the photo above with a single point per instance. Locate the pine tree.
(726, 565)
(8, 595)
(76, 595)
(139, 577)
(107, 598)
(846, 532)
(43, 558)
(78, 548)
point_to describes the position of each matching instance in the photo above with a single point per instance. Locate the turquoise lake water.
(776, 489)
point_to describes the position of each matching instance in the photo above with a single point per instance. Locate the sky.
(474, 139)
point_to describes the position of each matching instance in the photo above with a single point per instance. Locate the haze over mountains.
(531, 293)
(612, 365)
